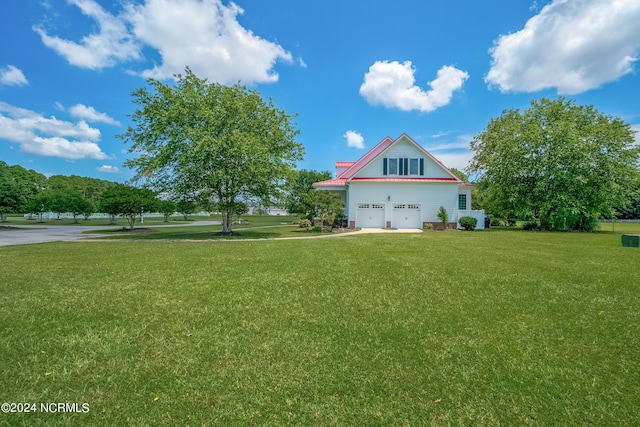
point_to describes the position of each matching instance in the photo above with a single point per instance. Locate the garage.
(370, 215)
(406, 215)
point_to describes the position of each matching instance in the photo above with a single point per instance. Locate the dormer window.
(403, 166)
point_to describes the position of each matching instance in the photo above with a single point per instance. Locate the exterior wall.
(466, 190)
(430, 196)
(404, 148)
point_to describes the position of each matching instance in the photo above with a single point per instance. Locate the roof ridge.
(367, 158)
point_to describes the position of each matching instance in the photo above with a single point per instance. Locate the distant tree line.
(27, 191)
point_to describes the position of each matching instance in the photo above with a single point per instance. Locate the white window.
(393, 166)
(413, 167)
(403, 166)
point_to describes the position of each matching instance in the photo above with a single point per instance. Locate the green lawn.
(501, 327)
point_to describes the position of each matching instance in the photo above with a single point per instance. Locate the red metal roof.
(344, 164)
(364, 160)
(330, 182)
(404, 180)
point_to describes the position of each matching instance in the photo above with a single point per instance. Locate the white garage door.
(406, 215)
(370, 215)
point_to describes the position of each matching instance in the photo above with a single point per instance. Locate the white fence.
(69, 215)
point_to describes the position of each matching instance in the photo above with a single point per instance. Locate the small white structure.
(399, 184)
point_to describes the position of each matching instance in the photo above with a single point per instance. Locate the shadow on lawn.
(154, 234)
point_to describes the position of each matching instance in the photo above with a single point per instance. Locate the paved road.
(27, 234)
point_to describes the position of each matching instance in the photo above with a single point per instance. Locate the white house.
(399, 184)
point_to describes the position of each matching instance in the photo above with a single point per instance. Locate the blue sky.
(354, 71)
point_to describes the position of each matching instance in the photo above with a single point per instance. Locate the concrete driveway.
(40, 233)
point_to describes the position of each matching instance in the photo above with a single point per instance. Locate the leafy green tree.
(77, 204)
(38, 205)
(85, 208)
(166, 208)
(61, 201)
(186, 207)
(323, 205)
(463, 176)
(558, 162)
(218, 142)
(18, 187)
(9, 202)
(127, 201)
(299, 184)
(89, 188)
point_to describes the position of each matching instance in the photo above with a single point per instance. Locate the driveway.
(27, 234)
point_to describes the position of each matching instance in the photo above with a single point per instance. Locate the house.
(399, 184)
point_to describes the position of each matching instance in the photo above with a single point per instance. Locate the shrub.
(510, 222)
(468, 223)
(427, 226)
(531, 225)
(316, 229)
(304, 223)
(444, 216)
(495, 222)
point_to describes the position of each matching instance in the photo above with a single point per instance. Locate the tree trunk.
(227, 220)
(132, 220)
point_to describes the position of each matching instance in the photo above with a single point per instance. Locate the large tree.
(127, 201)
(561, 163)
(324, 205)
(220, 143)
(18, 187)
(299, 185)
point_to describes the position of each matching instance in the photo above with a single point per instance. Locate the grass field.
(501, 327)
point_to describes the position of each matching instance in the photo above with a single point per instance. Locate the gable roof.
(367, 158)
(350, 169)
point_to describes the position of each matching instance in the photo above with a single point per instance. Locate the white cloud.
(49, 136)
(202, 34)
(572, 46)
(112, 44)
(62, 147)
(456, 154)
(12, 76)
(392, 85)
(206, 36)
(455, 160)
(90, 114)
(354, 139)
(109, 169)
(462, 143)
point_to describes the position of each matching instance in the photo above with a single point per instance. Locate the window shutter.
(421, 166)
(400, 166)
(384, 166)
(406, 166)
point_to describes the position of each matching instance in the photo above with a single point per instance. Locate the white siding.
(404, 149)
(430, 196)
